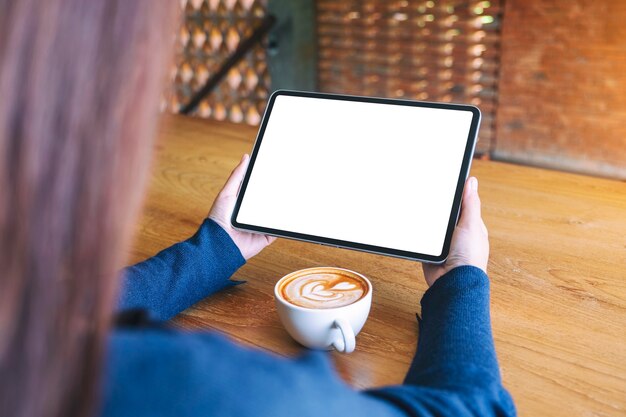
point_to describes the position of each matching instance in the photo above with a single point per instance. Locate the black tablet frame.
(463, 173)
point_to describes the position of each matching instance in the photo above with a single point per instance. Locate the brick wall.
(425, 50)
(562, 90)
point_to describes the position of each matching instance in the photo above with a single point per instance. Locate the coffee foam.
(322, 288)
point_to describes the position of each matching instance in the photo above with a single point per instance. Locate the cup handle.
(346, 341)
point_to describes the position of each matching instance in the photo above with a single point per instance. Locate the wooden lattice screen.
(211, 31)
(427, 50)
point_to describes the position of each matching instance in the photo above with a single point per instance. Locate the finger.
(233, 182)
(470, 209)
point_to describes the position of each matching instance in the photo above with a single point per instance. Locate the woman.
(79, 89)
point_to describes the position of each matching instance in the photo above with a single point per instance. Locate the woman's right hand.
(470, 241)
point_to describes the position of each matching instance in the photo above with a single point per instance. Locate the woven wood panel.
(211, 32)
(426, 50)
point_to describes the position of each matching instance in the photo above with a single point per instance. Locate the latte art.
(323, 289)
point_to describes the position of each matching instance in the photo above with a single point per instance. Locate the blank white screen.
(370, 173)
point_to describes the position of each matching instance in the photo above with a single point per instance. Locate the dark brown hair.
(79, 92)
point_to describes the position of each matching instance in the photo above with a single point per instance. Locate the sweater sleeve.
(455, 370)
(454, 373)
(183, 274)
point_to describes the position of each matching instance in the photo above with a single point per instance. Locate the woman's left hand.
(249, 244)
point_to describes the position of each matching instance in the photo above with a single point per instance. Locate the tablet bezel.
(463, 173)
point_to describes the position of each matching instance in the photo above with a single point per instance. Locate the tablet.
(372, 174)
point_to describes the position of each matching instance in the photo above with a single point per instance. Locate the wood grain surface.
(558, 256)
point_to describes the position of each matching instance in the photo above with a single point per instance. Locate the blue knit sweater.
(157, 371)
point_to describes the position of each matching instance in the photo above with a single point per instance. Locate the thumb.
(470, 207)
(233, 182)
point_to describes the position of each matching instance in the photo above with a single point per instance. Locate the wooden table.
(558, 272)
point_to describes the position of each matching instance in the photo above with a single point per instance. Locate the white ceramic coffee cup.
(324, 328)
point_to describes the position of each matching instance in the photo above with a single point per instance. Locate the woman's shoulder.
(164, 372)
